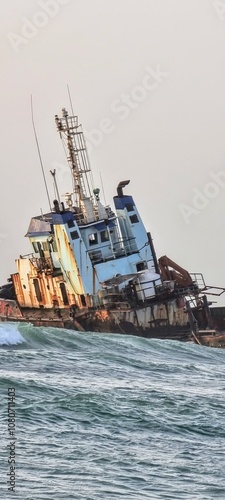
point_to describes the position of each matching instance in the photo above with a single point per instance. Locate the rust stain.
(102, 315)
(10, 309)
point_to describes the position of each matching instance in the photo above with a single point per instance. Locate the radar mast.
(73, 139)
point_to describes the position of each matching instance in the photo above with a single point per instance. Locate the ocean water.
(103, 417)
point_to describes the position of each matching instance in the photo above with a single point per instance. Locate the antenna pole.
(68, 89)
(39, 154)
(53, 173)
(102, 187)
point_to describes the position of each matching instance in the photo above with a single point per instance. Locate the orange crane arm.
(176, 273)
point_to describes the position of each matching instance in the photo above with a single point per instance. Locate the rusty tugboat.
(95, 269)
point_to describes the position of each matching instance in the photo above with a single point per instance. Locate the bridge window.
(104, 236)
(129, 207)
(53, 246)
(134, 218)
(140, 266)
(74, 235)
(70, 223)
(93, 239)
(35, 246)
(45, 246)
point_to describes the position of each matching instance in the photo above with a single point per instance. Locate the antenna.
(39, 153)
(53, 173)
(68, 89)
(102, 187)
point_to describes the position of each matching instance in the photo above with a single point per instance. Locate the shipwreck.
(94, 268)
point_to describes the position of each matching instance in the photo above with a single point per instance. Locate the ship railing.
(125, 246)
(198, 279)
(43, 264)
(188, 290)
(112, 298)
(27, 256)
(96, 255)
(120, 248)
(165, 290)
(79, 217)
(83, 220)
(146, 290)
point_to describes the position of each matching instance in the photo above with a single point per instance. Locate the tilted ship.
(95, 269)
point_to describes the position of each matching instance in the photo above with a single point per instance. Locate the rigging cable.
(39, 153)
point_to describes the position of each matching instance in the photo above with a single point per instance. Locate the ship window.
(104, 236)
(134, 218)
(53, 245)
(74, 235)
(64, 294)
(45, 246)
(37, 290)
(35, 246)
(40, 250)
(129, 207)
(140, 266)
(93, 239)
(70, 223)
(83, 301)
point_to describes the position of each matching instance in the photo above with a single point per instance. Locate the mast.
(72, 135)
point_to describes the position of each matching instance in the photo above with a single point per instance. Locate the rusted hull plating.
(148, 322)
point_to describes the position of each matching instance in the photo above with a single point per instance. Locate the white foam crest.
(10, 335)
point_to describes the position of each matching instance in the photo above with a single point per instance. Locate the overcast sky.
(147, 79)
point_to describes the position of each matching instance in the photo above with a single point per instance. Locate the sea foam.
(10, 335)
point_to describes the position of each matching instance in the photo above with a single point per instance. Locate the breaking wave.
(10, 335)
(131, 349)
(119, 416)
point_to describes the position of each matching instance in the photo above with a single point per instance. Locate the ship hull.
(128, 322)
